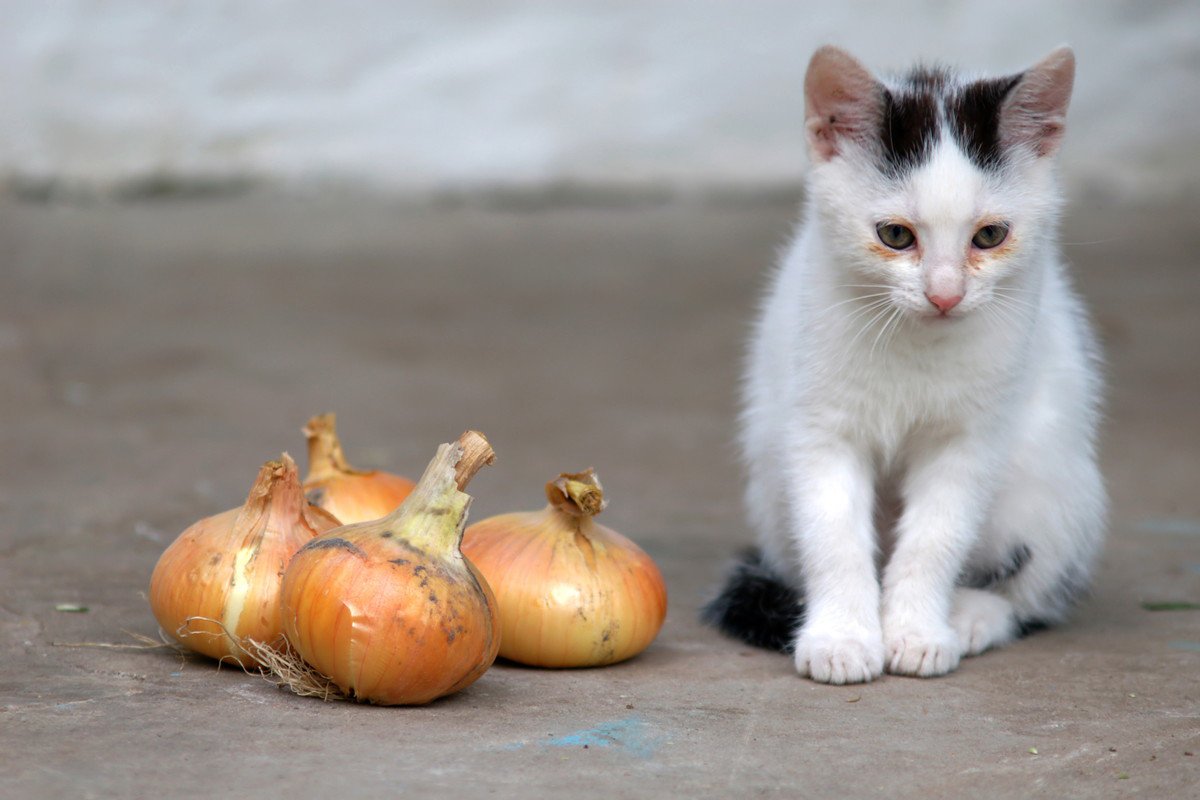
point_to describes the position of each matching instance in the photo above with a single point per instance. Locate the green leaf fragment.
(1172, 605)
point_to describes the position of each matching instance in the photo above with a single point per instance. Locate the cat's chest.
(885, 396)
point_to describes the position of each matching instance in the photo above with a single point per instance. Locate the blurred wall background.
(412, 97)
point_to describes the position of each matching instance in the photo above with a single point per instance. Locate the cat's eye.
(990, 236)
(895, 235)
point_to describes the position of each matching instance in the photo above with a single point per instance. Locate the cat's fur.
(924, 485)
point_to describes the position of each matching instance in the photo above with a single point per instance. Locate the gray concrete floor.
(154, 354)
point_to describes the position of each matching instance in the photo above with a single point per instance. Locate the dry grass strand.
(278, 662)
(143, 643)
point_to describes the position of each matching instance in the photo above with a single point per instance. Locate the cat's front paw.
(924, 653)
(829, 658)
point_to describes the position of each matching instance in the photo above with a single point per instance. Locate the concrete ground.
(155, 353)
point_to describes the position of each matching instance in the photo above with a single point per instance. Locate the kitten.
(922, 392)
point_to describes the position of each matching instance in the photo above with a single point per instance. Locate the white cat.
(921, 399)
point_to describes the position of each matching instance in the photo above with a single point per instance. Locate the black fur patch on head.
(932, 79)
(909, 128)
(910, 125)
(756, 606)
(974, 114)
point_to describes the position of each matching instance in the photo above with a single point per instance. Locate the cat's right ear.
(842, 103)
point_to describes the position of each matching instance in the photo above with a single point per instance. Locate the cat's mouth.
(934, 316)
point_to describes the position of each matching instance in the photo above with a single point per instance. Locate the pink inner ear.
(842, 102)
(1035, 113)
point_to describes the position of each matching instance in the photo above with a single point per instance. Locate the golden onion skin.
(389, 610)
(350, 494)
(227, 568)
(571, 592)
(386, 621)
(359, 497)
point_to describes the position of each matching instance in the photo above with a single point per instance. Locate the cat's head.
(937, 187)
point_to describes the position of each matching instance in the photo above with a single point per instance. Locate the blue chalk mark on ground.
(1191, 647)
(1194, 568)
(631, 735)
(1173, 526)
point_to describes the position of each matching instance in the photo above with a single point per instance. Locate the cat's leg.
(831, 494)
(1037, 547)
(944, 491)
(981, 615)
(1052, 512)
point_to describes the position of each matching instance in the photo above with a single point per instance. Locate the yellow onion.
(389, 610)
(217, 585)
(572, 593)
(351, 495)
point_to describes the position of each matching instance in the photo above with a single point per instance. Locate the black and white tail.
(756, 605)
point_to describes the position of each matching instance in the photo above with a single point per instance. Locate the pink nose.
(944, 304)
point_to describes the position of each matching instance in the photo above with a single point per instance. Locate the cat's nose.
(943, 302)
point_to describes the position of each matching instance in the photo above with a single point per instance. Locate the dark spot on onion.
(334, 544)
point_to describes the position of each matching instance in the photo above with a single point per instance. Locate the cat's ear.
(1035, 112)
(842, 103)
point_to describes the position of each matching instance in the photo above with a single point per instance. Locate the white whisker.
(866, 327)
(1094, 241)
(992, 314)
(867, 309)
(862, 286)
(1014, 305)
(827, 309)
(1011, 298)
(895, 315)
(1011, 292)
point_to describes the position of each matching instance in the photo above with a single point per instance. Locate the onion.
(572, 593)
(217, 584)
(351, 495)
(389, 610)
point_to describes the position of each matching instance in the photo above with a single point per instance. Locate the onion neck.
(435, 513)
(325, 457)
(577, 494)
(277, 494)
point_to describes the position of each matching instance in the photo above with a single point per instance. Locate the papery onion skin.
(359, 498)
(352, 495)
(403, 630)
(571, 592)
(389, 610)
(218, 583)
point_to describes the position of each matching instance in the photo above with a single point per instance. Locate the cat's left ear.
(1035, 112)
